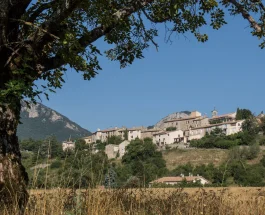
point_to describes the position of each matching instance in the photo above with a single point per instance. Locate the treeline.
(141, 164)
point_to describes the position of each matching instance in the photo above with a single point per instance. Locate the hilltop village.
(176, 132)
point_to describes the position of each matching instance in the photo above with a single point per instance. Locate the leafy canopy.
(44, 37)
(40, 39)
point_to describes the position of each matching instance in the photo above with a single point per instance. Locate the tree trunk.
(13, 177)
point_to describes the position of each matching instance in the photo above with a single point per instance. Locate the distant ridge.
(39, 122)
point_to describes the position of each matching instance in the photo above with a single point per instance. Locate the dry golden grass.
(196, 157)
(153, 201)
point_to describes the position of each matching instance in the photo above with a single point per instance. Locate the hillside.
(39, 121)
(176, 157)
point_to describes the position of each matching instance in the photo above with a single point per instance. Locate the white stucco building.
(122, 148)
(111, 151)
(135, 132)
(103, 135)
(168, 137)
(68, 145)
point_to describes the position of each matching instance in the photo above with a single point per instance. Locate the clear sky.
(226, 72)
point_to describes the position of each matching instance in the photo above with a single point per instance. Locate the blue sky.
(226, 72)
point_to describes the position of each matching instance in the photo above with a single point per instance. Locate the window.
(176, 123)
(168, 135)
(131, 136)
(179, 135)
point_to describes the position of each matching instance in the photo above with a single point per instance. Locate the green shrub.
(171, 129)
(262, 142)
(56, 164)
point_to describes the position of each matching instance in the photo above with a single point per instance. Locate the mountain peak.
(39, 122)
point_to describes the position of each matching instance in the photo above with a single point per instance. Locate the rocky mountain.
(39, 122)
(175, 115)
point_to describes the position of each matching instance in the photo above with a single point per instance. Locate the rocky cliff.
(39, 121)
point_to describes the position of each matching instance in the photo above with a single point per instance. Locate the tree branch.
(17, 8)
(96, 33)
(37, 11)
(246, 15)
(154, 20)
(52, 25)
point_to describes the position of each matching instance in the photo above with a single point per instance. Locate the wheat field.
(153, 201)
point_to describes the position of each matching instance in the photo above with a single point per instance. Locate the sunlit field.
(222, 201)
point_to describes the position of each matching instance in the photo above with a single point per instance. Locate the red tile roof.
(178, 179)
(223, 116)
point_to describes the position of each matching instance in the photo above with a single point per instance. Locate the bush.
(253, 151)
(262, 142)
(242, 153)
(167, 147)
(56, 164)
(132, 182)
(171, 129)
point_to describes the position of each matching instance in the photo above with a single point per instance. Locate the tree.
(81, 145)
(126, 134)
(38, 39)
(110, 179)
(250, 125)
(144, 161)
(243, 114)
(116, 140)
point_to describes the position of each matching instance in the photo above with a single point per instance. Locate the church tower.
(214, 112)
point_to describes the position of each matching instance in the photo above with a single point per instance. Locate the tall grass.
(147, 201)
(142, 201)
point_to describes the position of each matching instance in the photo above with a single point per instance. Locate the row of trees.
(141, 164)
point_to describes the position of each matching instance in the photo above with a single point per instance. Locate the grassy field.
(150, 201)
(176, 157)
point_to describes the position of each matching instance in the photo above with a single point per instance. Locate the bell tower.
(214, 112)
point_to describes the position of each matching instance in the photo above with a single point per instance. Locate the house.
(96, 136)
(135, 132)
(103, 135)
(179, 179)
(168, 137)
(68, 145)
(122, 148)
(88, 139)
(222, 118)
(194, 120)
(111, 151)
(149, 133)
(228, 128)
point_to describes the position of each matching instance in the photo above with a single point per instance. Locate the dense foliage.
(243, 114)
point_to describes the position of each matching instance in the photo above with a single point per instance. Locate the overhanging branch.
(96, 33)
(246, 15)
